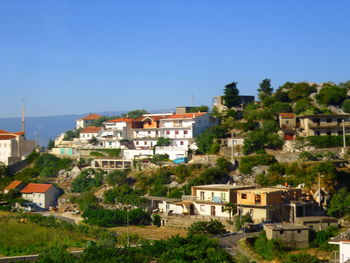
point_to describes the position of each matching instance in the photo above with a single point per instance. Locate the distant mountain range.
(49, 127)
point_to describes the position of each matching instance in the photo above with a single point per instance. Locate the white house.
(343, 240)
(43, 195)
(183, 128)
(210, 200)
(89, 132)
(14, 147)
(87, 120)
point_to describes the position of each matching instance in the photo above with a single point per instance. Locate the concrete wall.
(291, 238)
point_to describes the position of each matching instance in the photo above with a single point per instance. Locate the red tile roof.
(186, 115)
(36, 188)
(91, 129)
(3, 131)
(154, 118)
(7, 137)
(287, 115)
(123, 119)
(91, 117)
(13, 185)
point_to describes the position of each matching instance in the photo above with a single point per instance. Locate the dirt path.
(151, 232)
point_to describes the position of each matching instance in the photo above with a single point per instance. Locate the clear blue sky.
(87, 56)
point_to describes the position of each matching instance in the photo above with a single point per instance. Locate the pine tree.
(231, 97)
(265, 89)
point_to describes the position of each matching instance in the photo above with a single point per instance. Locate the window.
(137, 143)
(223, 196)
(201, 195)
(287, 121)
(257, 199)
(318, 133)
(281, 232)
(299, 231)
(222, 209)
(181, 143)
(244, 196)
(329, 120)
(329, 133)
(167, 132)
(340, 133)
(149, 132)
(176, 132)
(145, 143)
(316, 120)
(185, 132)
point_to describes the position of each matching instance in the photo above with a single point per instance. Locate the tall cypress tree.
(265, 89)
(231, 97)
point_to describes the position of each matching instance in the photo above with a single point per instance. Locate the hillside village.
(277, 165)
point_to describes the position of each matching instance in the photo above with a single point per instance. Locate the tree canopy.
(231, 93)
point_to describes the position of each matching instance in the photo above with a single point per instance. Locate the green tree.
(202, 108)
(231, 97)
(346, 106)
(163, 141)
(50, 144)
(231, 209)
(93, 140)
(212, 227)
(205, 140)
(56, 254)
(116, 177)
(156, 220)
(265, 89)
(136, 113)
(300, 90)
(340, 203)
(3, 170)
(331, 94)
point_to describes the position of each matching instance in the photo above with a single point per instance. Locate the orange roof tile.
(36, 188)
(123, 119)
(186, 115)
(7, 136)
(13, 185)
(3, 131)
(91, 129)
(91, 117)
(287, 115)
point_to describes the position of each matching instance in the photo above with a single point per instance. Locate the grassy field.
(25, 238)
(151, 232)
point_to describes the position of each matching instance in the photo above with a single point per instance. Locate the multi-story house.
(266, 203)
(87, 120)
(146, 136)
(14, 147)
(210, 200)
(323, 124)
(288, 125)
(219, 102)
(181, 129)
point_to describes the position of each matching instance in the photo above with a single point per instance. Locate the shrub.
(224, 164)
(301, 258)
(346, 106)
(323, 236)
(331, 94)
(213, 227)
(87, 179)
(248, 162)
(156, 220)
(239, 221)
(268, 249)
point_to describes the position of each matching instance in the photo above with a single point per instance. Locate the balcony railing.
(327, 124)
(216, 199)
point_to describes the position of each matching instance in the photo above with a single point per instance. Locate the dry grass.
(151, 232)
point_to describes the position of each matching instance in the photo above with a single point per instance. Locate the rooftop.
(13, 185)
(91, 117)
(271, 189)
(186, 115)
(286, 226)
(287, 115)
(36, 188)
(223, 186)
(91, 129)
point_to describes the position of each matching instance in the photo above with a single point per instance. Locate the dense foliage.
(320, 239)
(212, 227)
(248, 162)
(327, 141)
(87, 179)
(268, 249)
(302, 258)
(108, 218)
(206, 141)
(339, 205)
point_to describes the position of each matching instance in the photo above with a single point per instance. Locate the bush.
(248, 162)
(116, 177)
(346, 106)
(268, 249)
(224, 164)
(331, 94)
(108, 218)
(302, 258)
(327, 141)
(213, 227)
(240, 221)
(323, 236)
(156, 220)
(87, 179)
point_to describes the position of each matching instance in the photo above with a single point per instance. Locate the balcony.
(215, 199)
(328, 124)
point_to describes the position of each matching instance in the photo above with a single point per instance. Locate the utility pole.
(23, 122)
(232, 147)
(344, 138)
(127, 225)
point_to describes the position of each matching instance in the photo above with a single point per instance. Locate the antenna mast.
(22, 110)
